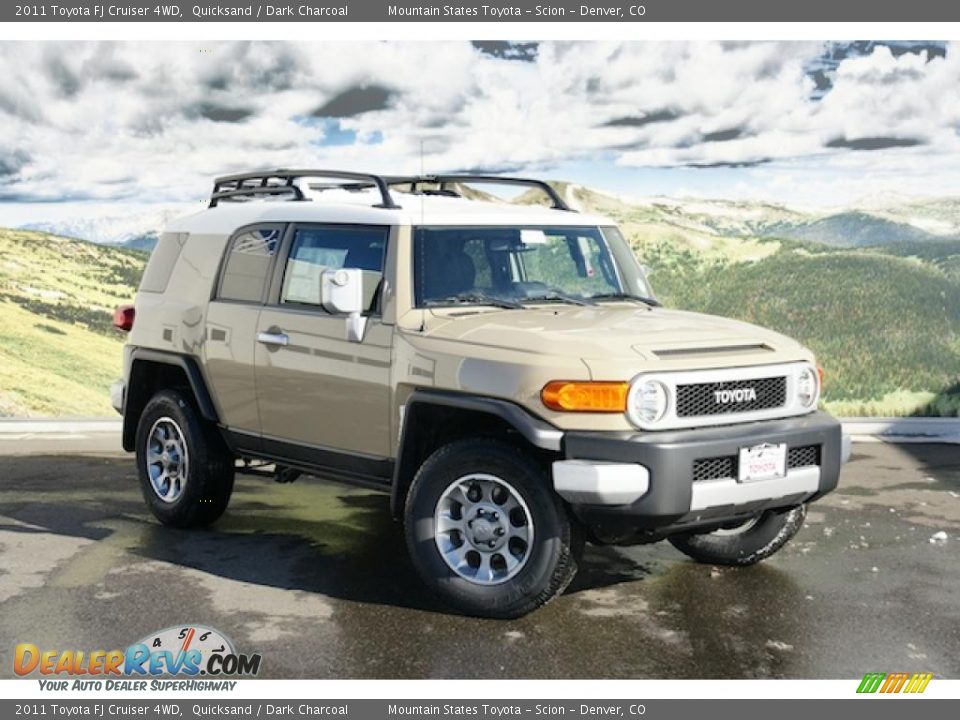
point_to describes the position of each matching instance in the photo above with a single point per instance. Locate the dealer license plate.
(763, 462)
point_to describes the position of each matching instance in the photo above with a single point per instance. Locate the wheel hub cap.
(487, 531)
(167, 459)
(483, 529)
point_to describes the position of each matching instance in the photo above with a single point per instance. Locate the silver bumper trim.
(600, 483)
(717, 493)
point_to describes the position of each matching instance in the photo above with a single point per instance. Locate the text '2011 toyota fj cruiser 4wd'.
(502, 370)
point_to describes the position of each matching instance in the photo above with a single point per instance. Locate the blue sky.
(815, 124)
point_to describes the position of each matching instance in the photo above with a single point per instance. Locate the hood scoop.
(747, 349)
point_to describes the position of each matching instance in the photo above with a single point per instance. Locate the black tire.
(758, 541)
(205, 491)
(554, 551)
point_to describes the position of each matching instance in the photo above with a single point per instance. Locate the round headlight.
(807, 389)
(649, 401)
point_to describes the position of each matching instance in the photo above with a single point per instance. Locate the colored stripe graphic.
(913, 683)
(871, 682)
(889, 682)
(919, 684)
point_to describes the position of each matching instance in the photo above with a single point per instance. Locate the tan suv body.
(502, 370)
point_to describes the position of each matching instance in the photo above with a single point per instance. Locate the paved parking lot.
(314, 576)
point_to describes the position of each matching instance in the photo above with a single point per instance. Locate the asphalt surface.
(314, 576)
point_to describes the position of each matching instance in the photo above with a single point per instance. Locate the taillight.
(123, 318)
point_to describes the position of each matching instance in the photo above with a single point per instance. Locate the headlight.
(648, 402)
(808, 387)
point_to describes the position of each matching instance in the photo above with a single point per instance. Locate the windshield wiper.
(478, 298)
(561, 296)
(625, 296)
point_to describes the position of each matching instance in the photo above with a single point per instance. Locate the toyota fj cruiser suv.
(502, 370)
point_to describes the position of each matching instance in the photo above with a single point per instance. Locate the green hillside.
(58, 351)
(885, 328)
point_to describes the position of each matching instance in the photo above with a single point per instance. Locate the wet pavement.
(314, 576)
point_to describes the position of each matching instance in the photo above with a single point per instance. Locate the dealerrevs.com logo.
(186, 651)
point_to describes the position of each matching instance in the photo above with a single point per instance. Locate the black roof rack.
(444, 180)
(280, 182)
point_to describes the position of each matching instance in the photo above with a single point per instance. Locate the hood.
(608, 332)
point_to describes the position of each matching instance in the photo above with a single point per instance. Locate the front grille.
(719, 468)
(715, 468)
(805, 456)
(733, 396)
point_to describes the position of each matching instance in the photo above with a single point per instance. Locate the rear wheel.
(747, 543)
(486, 531)
(186, 470)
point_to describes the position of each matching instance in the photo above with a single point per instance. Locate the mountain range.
(880, 221)
(137, 229)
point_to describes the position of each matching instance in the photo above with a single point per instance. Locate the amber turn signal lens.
(820, 375)
(578, 396)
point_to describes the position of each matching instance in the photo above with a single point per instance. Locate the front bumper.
(622, 483)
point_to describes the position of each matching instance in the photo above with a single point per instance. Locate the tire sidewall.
(550, 524)
(771, 532)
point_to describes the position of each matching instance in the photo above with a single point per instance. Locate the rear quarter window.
(247, 265)
(162, 261)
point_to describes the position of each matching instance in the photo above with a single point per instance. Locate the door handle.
(277, 338)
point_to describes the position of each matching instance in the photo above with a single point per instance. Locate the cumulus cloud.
(110, 121)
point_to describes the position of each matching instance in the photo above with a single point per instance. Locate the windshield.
(511, 266)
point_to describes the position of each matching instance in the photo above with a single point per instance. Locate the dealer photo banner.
(492, 11)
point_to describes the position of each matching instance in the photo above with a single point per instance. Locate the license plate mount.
(766, 461)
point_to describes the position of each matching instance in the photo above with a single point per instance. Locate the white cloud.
(158, 122)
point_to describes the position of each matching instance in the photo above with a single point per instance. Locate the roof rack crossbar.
(558, 202)
(235, 186)
(275, 182)
(254, 191)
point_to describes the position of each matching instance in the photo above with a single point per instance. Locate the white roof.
(335, 206)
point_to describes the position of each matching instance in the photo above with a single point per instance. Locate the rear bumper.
(622, 483)
(118, 392)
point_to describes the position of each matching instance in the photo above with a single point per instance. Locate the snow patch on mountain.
(139, 227)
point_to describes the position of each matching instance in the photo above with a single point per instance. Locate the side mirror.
(342, 293)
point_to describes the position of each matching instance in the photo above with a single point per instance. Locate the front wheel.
(486, 531)
(747, 543)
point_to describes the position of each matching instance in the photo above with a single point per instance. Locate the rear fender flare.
(138, 388)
